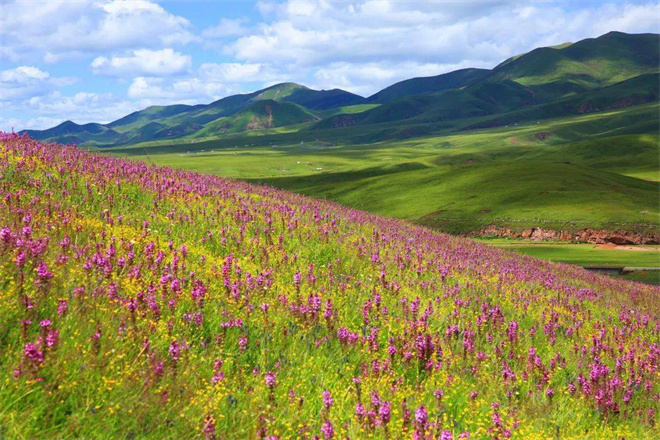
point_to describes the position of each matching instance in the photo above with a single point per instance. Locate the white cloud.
(211, 81)
(38, 123)
(56, 29)
(227, 28)
(143, 62)
(184, 91)
(362, 44)
(22, 74)
(237, 72)
(27, 81)
(82, 107)
(364, 79)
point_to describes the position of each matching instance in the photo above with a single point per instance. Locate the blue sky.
(97, 60)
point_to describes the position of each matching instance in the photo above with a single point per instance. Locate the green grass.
(648, 277)
(583, 254)
(589, 63)
(524, 175)
(588, 255)
(140, 302)
(522, 193)
(263, 114)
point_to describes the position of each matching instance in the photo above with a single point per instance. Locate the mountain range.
(612, 71)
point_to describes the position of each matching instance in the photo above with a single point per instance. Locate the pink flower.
(384, 412)
(270, 379)
(209, 426)
(43, 272)
(328, 430)
(33, 354)
(242, 343)
(327, 399)
(421, 417)
(62, 307)
(175, 351)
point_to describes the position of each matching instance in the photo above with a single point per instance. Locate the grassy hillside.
(612, 71)
(585, 65)
(465, 197)
(507, 102)
(427, 85)
(143, 117)
(146, 302)
(260, 115)
(69, 132)
(571, 173)
(177, 121)
(583, 254)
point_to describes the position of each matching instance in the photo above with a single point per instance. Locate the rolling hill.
(427, 85)
(585, 65)
(148, 302)
(175, 121)
(531, 143)
(595, 74)
(262, 114)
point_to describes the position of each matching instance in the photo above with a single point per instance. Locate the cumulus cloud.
(84, 26)
(38, 123)
(143, 62)
(54, 108)
(364, 78)
(343, 42)
(360, 45)
(27, 81)
(191, 90)
(227, 28)
(211, 81)
(239, 72)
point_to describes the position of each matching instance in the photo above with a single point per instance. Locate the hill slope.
(262, 114)
(427, 85)
(508, 101)
(585, 65)
(175, 121)
(549, 75)
(166, 304)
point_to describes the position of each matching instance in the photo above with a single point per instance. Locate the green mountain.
(479, 99)
(175, 121)
(427, 85)
(553, 72)
(596, 74)
(260, 115)
(612, 71)
(69, 132)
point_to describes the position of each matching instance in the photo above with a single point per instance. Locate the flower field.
(147, 302)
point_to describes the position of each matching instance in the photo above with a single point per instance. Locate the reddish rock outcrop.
(593, 236)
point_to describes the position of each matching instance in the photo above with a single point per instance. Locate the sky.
(98, 60)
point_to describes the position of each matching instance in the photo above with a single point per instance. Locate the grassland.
(583, 254)
(588, 255)
(570, 173)
(145, 302)
(594, 170)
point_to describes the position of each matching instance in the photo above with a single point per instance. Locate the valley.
(566, 139)
(329, 220)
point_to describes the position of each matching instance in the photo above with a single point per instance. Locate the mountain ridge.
(535, 78)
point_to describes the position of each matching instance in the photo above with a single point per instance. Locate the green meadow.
(589, 255)
(566, 173)
(563, 173)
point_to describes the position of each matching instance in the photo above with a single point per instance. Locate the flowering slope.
(140, 301)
